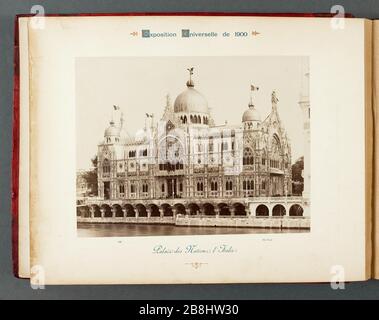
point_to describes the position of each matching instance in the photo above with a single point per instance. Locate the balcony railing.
(276, 171)
(277, 199)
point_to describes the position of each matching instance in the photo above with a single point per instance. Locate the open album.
(194, 149)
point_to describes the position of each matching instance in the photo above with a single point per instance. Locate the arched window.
(248, 185)
(275, 152)
(262, 211)
(210, 144)
(143, 153)
(121, 188)
(162, 187)
(248, 158)
(185, 119)
(106, 166)
(198, 119)
(132, 188)
(296, 210)
(191, 118)
(132, 153)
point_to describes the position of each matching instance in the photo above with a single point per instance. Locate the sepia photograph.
(192, 145)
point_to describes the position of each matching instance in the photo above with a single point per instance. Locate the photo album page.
(195, 149)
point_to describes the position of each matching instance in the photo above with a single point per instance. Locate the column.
(252, 209)
(148, 212)
(124, 213)
(113, 212)
(247, 209)
(102, 212)
(92, 212)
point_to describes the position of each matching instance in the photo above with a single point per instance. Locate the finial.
(274, 98)
(190, 83)
(251, 105)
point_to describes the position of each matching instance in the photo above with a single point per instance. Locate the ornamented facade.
(185, 155)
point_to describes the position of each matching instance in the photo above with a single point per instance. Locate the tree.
(297, 179)
(91, 178)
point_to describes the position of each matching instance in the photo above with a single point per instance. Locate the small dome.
(141, 136)
(251, 114)
(191, 101)
(112, 130)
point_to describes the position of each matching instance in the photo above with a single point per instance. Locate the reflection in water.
(132, 230)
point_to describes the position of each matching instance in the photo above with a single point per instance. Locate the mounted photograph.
(192, 145)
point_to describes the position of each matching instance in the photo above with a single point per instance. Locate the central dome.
(191, 101)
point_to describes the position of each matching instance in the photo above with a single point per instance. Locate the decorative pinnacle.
(274, 98)
(190, 82)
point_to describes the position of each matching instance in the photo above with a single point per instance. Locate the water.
(133, 230)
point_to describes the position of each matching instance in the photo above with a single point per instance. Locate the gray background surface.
(12, 288)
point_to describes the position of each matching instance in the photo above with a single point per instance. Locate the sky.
(139, 85)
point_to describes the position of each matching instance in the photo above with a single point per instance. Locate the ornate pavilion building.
(185, 158)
